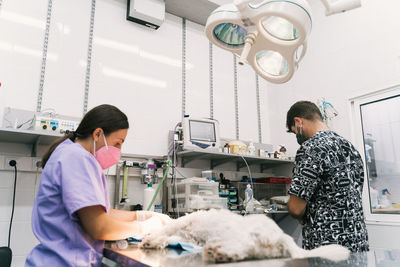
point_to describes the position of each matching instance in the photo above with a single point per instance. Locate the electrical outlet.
(7, 160)
(23, 163)
(36, 163)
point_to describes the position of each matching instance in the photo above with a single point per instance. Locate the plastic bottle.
(374, 197)
(282, 152)
(226, 148)
(249, 199)
(148, 196)
(386, 203)
(251, 149)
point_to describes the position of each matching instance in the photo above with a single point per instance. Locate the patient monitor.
(200, 134)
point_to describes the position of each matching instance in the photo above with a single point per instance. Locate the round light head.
(229, 34)
(272, 63)
(271, 36)
(280, 28)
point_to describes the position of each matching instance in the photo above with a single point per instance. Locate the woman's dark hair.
(106, 117)
(302, 109)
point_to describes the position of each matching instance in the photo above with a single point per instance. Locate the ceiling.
(193, 10)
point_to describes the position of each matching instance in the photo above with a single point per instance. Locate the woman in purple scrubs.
(71, 216)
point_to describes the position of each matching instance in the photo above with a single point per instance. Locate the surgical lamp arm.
(334, 7)
(331, 6)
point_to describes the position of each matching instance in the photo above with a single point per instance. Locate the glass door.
(380, 121)
(376, 123)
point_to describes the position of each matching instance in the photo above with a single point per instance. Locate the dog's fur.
(230, 237)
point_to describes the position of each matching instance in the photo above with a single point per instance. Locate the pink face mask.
(107, 156)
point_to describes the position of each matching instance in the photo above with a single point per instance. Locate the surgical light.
(269, 35)
(230, 34)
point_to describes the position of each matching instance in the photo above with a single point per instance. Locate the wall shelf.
(218, 158)
(33, 138)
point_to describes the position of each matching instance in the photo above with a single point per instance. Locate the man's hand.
(297, 207)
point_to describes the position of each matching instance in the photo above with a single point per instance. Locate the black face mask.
(301, 139)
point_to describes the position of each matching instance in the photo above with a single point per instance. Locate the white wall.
(22, 25)
(135, 68)
(347, 54)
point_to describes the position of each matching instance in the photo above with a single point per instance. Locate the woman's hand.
(143, 215)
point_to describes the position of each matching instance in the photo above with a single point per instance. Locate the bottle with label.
(282, 152)
(251, 149)
(226, 148)
(148, 196)
(249, 201)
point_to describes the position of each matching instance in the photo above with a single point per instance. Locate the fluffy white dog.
(227, 236)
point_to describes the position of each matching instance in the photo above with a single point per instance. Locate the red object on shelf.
(274, 180)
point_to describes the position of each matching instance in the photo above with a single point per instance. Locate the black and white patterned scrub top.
(329, 175)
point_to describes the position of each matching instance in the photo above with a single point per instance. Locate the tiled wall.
(22, 238)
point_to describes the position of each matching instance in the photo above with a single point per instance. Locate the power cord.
(12, 163)
(251, 178)
(248, 169)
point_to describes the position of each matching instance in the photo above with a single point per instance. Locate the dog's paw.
(151, 241)
(216, 253)
(209, 253)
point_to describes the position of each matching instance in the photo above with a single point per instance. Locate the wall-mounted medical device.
(150, 13)
(46, 121)
(148, 169)
(200, 134)
(270, 35)
(148, 175)
(54, 124)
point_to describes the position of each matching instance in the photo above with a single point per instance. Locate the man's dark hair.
(302, 109)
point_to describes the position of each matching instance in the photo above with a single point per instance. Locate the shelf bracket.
(35, 146)
(215, 163)
(186, 160)
(266, 166)
(242, 165)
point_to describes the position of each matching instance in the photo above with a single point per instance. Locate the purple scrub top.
(71, 180)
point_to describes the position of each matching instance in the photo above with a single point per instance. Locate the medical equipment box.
(195, 194)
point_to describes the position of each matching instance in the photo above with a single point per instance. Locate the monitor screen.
(202, 131)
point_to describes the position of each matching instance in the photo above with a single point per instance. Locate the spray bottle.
(249, 199)
(386, 202)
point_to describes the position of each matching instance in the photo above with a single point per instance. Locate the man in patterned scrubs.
(325, 194)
